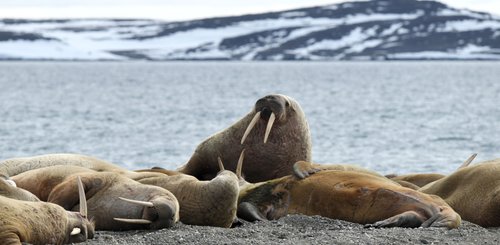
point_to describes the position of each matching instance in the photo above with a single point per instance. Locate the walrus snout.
(164, 213)
(265, 113)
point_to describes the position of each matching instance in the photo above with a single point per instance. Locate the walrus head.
(261, 201)
(269, 110)
(119, 203)
(79, 227)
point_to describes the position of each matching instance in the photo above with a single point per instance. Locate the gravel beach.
(299, 229)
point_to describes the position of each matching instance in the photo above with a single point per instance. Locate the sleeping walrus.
(353, 196)
(38, 222)
(115, 202)
(473, 192)
(275, 134)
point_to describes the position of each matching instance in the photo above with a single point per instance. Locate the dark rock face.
(377, 29)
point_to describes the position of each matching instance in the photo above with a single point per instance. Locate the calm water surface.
(388, 116)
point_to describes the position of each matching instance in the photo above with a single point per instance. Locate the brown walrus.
(115, 202)
(473, 192)
(275, 134)
(38, 222)
(348, 195)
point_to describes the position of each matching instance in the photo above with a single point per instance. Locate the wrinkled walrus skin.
(103, 191)
(348, 195)
(40, 223)
(288, 141)
(209, 203)
(473, 192)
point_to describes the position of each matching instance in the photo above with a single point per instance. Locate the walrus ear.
(249, 212)
(66, 195)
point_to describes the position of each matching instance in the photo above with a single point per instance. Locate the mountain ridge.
(360, 30)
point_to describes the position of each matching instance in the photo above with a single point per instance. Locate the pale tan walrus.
(38, 222)
(211, 203)
(473, 192)
(275, 135)
(353, 196)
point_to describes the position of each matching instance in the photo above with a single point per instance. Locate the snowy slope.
(378, 29)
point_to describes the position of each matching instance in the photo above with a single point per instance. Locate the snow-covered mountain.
(377, 29)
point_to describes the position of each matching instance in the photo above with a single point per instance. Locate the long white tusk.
(147, 204)
(221, 165)
(83, 200)
(250, 126)
(75, 231)
(239, 167)
(468, 161)
(134, 221)
(269, 126)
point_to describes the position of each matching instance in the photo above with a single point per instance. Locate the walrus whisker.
(468, 161)
(147, 204)
(221, 165)
(134, 221)
(75, 231)
(81, 195)
(269, 126)
(250, 126)
(240, 164)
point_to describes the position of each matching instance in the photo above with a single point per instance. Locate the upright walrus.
(274, 134)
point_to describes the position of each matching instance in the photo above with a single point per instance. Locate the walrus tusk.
(11, 182)
(134, 221)
(269, 126)
(75, 231)
(240, 164)
(147, 204)
(221, 165)
(250, 126)
(83, 200)
(468, 161)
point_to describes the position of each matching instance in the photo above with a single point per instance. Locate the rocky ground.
(298, 229)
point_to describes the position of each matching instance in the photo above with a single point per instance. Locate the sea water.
(392, 117)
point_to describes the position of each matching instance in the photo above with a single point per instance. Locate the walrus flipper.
(409, 219)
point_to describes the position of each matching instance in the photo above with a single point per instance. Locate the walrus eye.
(265, 113)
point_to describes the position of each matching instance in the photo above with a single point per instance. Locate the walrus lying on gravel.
(115, 202)
(195, 206)
(211, 203)
(415, 181)
(473, 192)
(348, 195)
(275, 135)
(38, 222)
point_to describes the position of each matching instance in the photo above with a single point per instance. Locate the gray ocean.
(392, 117)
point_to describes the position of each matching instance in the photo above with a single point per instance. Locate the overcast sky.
(177, 9)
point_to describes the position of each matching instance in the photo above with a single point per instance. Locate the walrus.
(8, 188)
(115, 202)
(418, 180)
(348, 195)
(37, 222)
(201, 202)
(472, 191)
(209, 203)
(275, 134)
